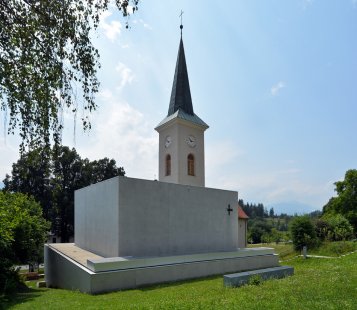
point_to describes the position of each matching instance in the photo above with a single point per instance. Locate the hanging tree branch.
(46, 56)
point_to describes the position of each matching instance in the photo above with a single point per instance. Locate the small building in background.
(242, 228)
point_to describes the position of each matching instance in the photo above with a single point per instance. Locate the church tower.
(181, 133)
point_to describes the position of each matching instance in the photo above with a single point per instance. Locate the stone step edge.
(242, 278)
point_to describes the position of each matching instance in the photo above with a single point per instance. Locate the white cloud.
(282, 186)
(121, 132)
(221, 153)
(225, 169)
(142, 22)
(220, 164)
(126, 75)
(111, 29)
(275, 89)
(9, 155)
(146, 25)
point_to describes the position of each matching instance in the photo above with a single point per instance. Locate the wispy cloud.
(275, 89)
(142, 22)
(111, 29)
(354, 3)
(125, 73)
(272, 187)
(123, 133)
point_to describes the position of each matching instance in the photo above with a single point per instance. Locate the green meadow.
(318, 283)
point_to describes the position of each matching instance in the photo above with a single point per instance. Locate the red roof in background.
(241, 213)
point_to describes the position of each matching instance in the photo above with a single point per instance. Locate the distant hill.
(293, 207)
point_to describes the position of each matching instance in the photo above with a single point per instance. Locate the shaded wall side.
(96, 218)
(60, 272)
(242, 233)
(159, 219)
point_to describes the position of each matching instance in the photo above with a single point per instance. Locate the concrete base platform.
(70, 267)
(239, 279)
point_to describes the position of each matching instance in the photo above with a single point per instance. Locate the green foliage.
(277, 235)
(255, 280)
(52, 176)
(264, 226)
(346, 201)
(47, 59)
(23, 231)
(253, 210)
(302, 232)
(271, 212)
(259, 230)
(31, 175)
(333, 227)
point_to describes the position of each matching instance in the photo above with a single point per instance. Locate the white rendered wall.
(179, 130)
(63, 272)
(172, 150)
(156, 219)
(96, 217)
(242, 233)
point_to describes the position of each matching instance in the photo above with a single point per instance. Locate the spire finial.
(181, 26)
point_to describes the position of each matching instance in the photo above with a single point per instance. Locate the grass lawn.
(284, 250)
(333, 249)
(317, 284)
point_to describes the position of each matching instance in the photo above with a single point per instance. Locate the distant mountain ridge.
(293, 207)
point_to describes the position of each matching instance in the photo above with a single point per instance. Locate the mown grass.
(317, 284)
(333, 249)
(284, 250)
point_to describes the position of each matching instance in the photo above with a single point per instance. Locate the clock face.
(191, 141)
(168, 141)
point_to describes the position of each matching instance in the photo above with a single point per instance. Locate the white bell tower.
(181, 133)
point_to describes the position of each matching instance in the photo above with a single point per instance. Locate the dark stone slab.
(241, 278)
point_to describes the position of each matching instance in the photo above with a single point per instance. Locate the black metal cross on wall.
(229, 209)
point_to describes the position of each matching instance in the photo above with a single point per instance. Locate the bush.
(22, 235)
(302, 232)
(322, 227)
(338, 228)
(257, 228)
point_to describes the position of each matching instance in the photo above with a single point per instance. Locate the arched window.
(168, 165)
(190, 165)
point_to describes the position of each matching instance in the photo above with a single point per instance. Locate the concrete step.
(241, 278)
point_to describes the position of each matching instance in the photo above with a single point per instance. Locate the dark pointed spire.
(181, 94)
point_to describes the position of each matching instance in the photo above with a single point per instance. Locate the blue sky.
(275, 80)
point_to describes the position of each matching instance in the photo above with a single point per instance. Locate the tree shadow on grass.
(26, 294)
